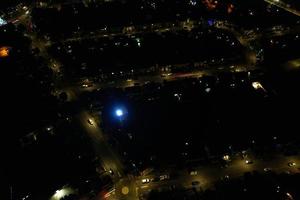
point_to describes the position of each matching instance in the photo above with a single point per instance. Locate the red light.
(230, 8)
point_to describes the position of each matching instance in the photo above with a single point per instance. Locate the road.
(23, 16)
(109, 159)
(124, 184)
(283, 5)
(209, 174)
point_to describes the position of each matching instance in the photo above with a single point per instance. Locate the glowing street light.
(289, 196)
(61, 193)
(4, 52)
(256, 85)
(119, 112)
(2, 22)
(226, 157)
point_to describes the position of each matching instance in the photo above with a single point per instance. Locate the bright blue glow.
(119, 112)
(2, 22)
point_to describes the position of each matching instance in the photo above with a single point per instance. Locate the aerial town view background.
(150, 99)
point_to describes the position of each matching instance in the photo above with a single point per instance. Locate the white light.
(289, 195)
(2, 22)
(59, 194)
(207, 90)
(257, 85)
(193, 2)
(138, 42)
(119, 112)
(226, 157)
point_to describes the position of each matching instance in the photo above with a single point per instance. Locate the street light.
(59, 193)
(2, 22)
(226, 157)
(289, 196)
(257, 85)
(4, 52)
(119, 112)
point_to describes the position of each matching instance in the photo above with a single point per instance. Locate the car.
(164, 177)
(248, 162)
(225, 178)
(86, 85)
(49, 128)
(291, 164)
(145, 180)
(111, 171)
(90, 122)
(193, 173)
(267, 169)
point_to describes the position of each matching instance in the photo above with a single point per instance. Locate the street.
(209, 174)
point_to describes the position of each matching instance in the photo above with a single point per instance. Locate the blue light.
(2, 22)
(210, 22)
(119, 112)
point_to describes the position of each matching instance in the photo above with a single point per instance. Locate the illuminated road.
(124, 184)
(158, 28)
(23, 16)
(283, 5)
(208, 175)
(74, 90)
(249, 54)
(109, 159)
